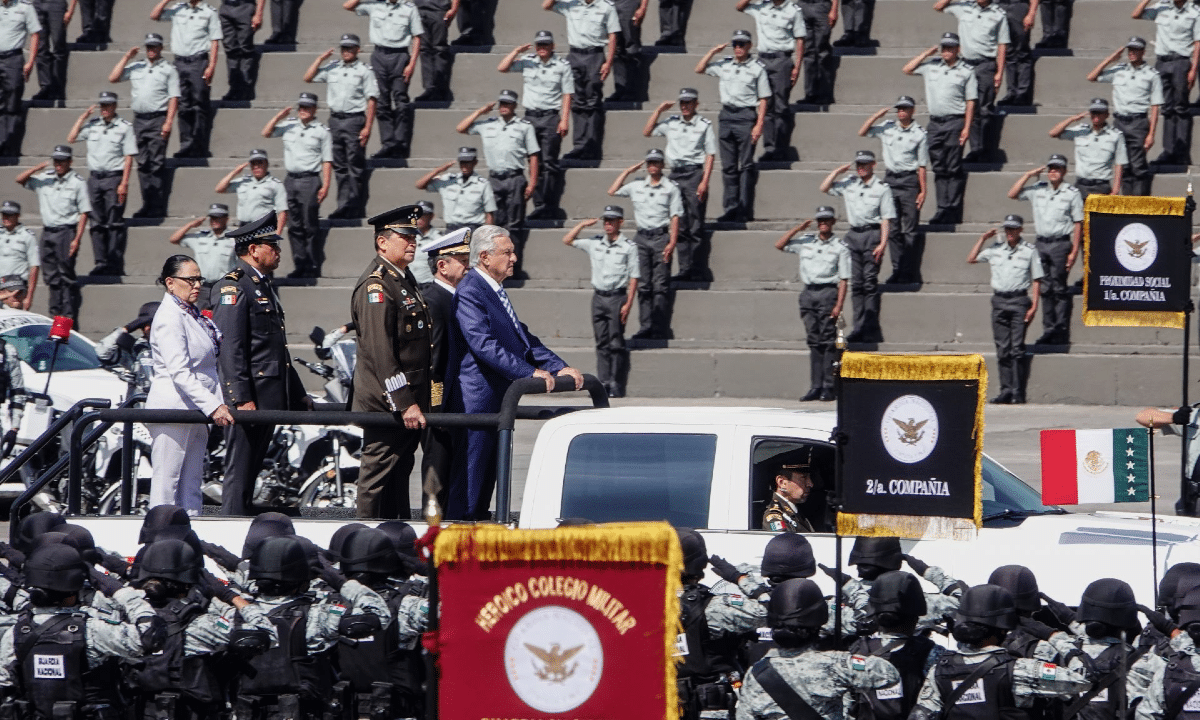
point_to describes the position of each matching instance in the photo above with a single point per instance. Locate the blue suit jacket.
(487, 352)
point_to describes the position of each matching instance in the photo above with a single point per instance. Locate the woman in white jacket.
(184, 345)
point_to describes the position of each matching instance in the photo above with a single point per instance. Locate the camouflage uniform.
(412, 617)
(825, 680)
(324, 616)
(1141, 674)
(209, 632)
(1154, 702)
(857, 595)
(782, 515)
(15, 394)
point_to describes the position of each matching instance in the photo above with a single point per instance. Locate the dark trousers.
(587, 110)
(1008, 330)
(241, 58)
(673, 18)
(1088, 186)
(437, 458)
(285, 18)
(820, 333)
(985, 140)
(779, 121)
(857, 16)
(1018, 59)
(96, 18)
(1056, 22)
(945, 159)
(509, 189)
(1056, 296)
(612, 358)
(152, 162)
(691, 253)
(245, 449)
(195, 111)
(435, 48)
(387, 463)
(906, 244)
(1136, 177)
(52, 47)
(477, 22)
(304, 225)
(394, 111)
(630, 80)
(818, 52)
(1176, 120)
(107, 223)
(739, 172)
(12, 115)
(349, 160)
(548, 192)
(58, 271)
(864, 282)
(653, 281)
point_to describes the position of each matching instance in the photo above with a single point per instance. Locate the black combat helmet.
(159, 517)
(1109, 601)
(1189, 608)
(880, 552)
(370, 551)
(788, 555)
(695, 553)
(282, 559)
(57, 567)
(1173, 585)
(338, 541)
(34, 525)
(900, 593)
(267, 525)
(170, 559)
(988, 605)
(1020, 582)
(403, 536)
(797, 603)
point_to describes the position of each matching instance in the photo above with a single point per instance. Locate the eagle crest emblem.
(1137, 249)
(910, 432)
(554, 662)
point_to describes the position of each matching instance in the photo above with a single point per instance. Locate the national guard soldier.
(1058, 221)
(797, 680)
(691, 151)
(467, 199)
(509, 143)
(258, 192)
(18, 24)
(210, 247)
(1015, 266)
(154, 100)
(1176, 42)
(549, 87)
(870, 211)
(1136, 98)
(824, 269)
(793, 486)
(951, 89)
(1175, 584)
(781, 33)
(983, 28)
(436, 59)
(1018, 57)
(52, 51)
(352, 99)
(396, 32)
(657, 209)
(111, 146)
(906, 156)
(1100, 150)
(615, 272)
(393, 370)
(121, 348)
(308, 158)
(427, 235)
(1172, 690)
(745, 94)
(254, 362)
(195, 40)
(64, 206)
(18, 250)
(240, 19)
(1030, 638)
(592, 29)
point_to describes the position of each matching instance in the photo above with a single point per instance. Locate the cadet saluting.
(509, 143)
(396, 32)
(154, 91)
(1177, 48)
(18, 24)
(211, 248)
(1136, 98)
(781, 33)
(984, 31)
(394, 360)
(64, 206)
(1100, 150)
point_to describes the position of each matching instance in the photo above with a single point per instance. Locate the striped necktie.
(512, 315)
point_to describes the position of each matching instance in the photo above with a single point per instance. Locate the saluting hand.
(91, 109)
(589, 222)
(524, 48)
(132, 52)
(325, 55)
(665, 106)
(487, 108)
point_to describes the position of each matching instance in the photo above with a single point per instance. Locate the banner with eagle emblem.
(1137, 257)
(574, 622)
(910, 430)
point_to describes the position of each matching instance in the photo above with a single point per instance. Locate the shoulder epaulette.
(377, 272)
(701, 118)
(234, 274)
(674, 117)
(761, 64)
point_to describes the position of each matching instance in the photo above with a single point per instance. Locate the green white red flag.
(1095, 466)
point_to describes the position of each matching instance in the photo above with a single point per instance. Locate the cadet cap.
(1057, 160)
(257, 232)
(655, 155)
(455, 243)
(153, 39)
(402, 220)
(826, 212)
(13, 282)
(686, 94)
(950, 39)
(905, 101)
(1136, 43)
(467, 154)
(741, 36)
(62, 152)
(107, 97)
(1014, 221)
(258, 154)
(350, 40)
(426, 206)
(10, 207)
(543, 37)
(307, 99)
(218, 210)
(1098, 105)
(864, 156)
(507, 96)
(613, 212)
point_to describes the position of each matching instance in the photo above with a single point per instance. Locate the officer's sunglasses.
(741, 43)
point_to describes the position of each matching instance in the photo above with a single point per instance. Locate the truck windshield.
(628, 476)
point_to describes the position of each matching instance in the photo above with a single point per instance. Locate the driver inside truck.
(794, 480)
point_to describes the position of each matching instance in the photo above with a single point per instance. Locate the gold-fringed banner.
(912, 430)
(1136, 261)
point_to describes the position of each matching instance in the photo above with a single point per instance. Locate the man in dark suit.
(255, 365)
(489, 349)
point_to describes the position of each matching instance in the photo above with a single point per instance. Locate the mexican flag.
(1095, 466)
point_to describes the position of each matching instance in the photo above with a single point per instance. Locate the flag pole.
(1186, 491)
(838, 440)
(1153, 516)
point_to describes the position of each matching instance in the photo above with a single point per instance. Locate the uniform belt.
(820, 286)
(343, 116)
(773, 54)
(945, 118)
(589, 51)
(1011, 293)
(106, 173)
(865, 228)
(10, 53)
(899, 174)
(391, 50)
(1170, 57)
(192, 58)
(1127, 117)
(1091, 181)
(686, 167)
(736, 108)
(1056, 238)
(57, 228)
(653, 232)
(973, 62)
(611, 293)
(541, 113)
(310, 173)
(505, 174)
(155, 114)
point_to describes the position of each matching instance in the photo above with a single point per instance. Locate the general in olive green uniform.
(393, 368)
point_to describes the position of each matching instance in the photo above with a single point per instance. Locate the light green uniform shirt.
(948, 88)
(213, 253)
(506, 145)
(18, 251)
(545, 82)
(613, 263)
(904, 148)
(108, 143)
(778, 25)
(742, 84)
(688, 143)
(1055, 212)
(192, 28)
(393, 24)
(588, 23)
(653, 205)
(420, 266)
(1013, 268)
(1096, 154)
(822, 262)
(151, 85)
(18, 20)
(61, 200)
(1175, 29)
(867, 203)
(464, 202)
(305, 147)
(1134, 89)
(258, 197)
(981, 30)
(350, 85)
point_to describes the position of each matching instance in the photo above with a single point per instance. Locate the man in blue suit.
(489, 349)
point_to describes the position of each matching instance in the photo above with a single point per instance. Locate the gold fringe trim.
(652, 543)
(1125, 205)
(907, 526)
(873, 366)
